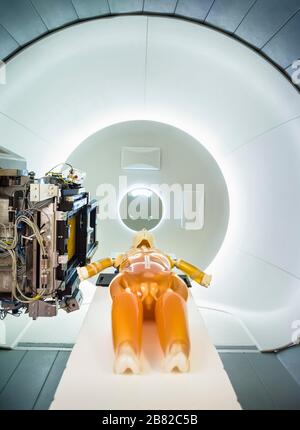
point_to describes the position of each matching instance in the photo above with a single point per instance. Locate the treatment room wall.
(80, 80)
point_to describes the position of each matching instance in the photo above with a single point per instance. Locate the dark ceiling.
(270, 26)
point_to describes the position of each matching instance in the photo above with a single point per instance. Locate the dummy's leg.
(172, 326)
(127, 318)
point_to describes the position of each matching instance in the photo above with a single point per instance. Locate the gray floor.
(262, 381)
(28, 378)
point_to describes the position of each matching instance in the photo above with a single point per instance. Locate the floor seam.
(263, 384)
(14, 371)
(44, 383)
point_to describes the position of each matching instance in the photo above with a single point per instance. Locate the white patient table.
(88, 381)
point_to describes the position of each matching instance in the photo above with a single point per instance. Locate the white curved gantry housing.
(244, 112)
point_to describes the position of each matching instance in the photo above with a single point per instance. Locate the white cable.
(9, 247)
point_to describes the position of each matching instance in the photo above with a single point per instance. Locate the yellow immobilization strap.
(193, 272)
(94, 268)
(119, 260)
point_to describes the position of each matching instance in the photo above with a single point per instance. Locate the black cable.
(60, 164)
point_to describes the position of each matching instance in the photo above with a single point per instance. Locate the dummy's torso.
(147, 273)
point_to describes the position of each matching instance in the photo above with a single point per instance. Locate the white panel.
(244, 282)
(10, 160)
(25, 143)
(94, 75)
(225, 329)
(135, 158)
(265, 299)
(268, 176)
(12, 330)
(74, 82)
(213, 87)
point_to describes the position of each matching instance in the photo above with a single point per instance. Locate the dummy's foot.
(176, 359)
(126, 360)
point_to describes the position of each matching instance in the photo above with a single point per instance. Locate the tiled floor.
(28, 378)
(261, 381)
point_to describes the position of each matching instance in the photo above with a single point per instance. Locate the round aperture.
(141, 208)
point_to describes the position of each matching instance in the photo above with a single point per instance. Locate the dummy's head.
(143, 238)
